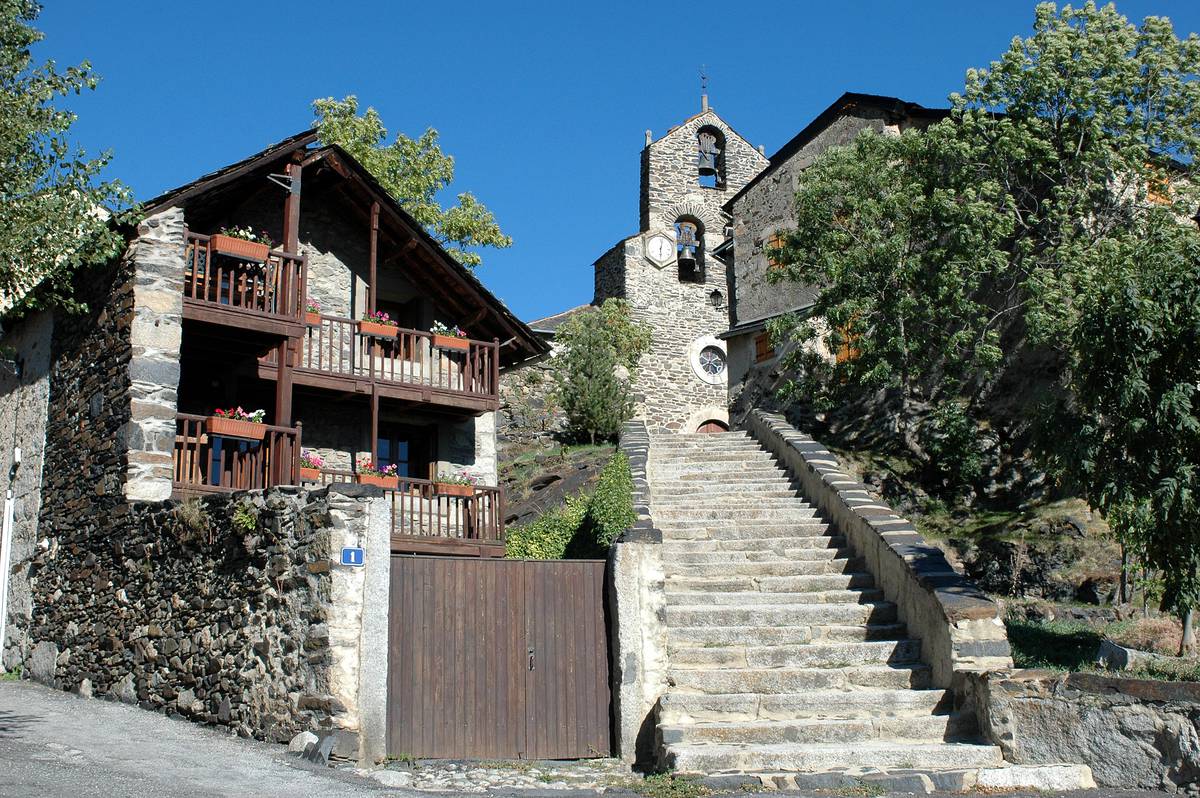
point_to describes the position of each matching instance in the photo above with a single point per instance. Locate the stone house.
(113, 411)
(761, 212)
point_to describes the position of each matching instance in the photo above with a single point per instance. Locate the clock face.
(660, 249)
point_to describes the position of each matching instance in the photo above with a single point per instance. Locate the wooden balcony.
(426, 522)
(206, 463)
(267, 296)
(336, 355)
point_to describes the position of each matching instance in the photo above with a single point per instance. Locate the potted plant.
(235, 422)
(311, 464)
(242, 243)
(369, 473)
(447, 337)
(378, 324)
(312, 313)
(461, 483)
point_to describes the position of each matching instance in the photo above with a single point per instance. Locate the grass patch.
(1058, 645)
(1072, 645)
(519, 765)
(10, 676)
(667, 785)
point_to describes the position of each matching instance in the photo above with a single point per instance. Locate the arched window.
(689, 250)
(710, 157)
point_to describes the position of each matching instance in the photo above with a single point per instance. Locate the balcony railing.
(207, 463)
(337, 347)
(421, 514)
(274, 287)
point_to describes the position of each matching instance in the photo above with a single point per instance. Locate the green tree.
(600, 350)
(414, 172)
(1130, 430)
(946, 256)
(54, 209)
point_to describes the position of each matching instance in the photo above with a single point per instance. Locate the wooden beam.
(283, 386)
(375, 426)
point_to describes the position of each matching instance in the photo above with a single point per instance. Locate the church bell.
(708, 163)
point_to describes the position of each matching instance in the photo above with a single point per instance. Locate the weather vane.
(703, 79)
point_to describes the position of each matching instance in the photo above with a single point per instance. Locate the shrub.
(586, 526)
(193, 522)
(547, 538)
(610, 512)
(952, 440)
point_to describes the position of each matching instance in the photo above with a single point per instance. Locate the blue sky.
(543, 105)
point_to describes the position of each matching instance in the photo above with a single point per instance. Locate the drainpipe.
(6, 533)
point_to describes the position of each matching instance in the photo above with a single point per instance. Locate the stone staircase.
(783, 655)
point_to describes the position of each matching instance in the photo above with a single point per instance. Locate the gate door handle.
(531, 658)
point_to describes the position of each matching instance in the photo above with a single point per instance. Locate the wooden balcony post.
(283, 382)
(374, 261)
(291, 210)
(375, 425)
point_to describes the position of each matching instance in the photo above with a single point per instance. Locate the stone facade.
(189, 614)
(670, 391)
(24, 400)
(766, 209)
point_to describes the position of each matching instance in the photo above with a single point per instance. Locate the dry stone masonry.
(248, 624)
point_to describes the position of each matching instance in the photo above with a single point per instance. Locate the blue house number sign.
(352, 556)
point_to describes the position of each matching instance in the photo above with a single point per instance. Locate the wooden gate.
(495, 659)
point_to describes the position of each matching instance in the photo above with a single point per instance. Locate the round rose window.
(712, 360)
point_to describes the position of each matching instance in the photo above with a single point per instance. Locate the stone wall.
(24, 396)
(252, 626)
(959, 627)
(1133, 733)
(528, 412)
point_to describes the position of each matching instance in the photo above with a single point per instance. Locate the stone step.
(676, 547)
(755, 475)
(753, 528)
(816, 543)
(717, 472)
(750, 598)
(811, 757)
(684, 616)
(808, 655)
(720, 680)
(766, 487)
(926, 729)
(731, 505)
(676, 708)
(781, 635)
(818, 561)
(772, 515)
(746, 455)
(679, 581)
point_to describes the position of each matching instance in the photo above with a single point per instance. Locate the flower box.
(238, 248)
(310, 474)
(312, 319)
(450, 342)
(232, 428)
(453, 489)
(379, 481)
(377, 330)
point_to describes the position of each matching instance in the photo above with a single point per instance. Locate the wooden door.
(712, 425)
(492, 658)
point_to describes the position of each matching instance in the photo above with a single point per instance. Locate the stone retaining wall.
(1133, 733)
(252, 625)
(959, 626)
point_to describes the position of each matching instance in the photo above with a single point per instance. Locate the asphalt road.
(57, 744)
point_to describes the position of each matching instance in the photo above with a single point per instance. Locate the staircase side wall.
(637, 596)
(959, 626)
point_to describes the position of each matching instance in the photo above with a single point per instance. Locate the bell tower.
(671, 274)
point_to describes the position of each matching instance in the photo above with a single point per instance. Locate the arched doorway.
(713, 425)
